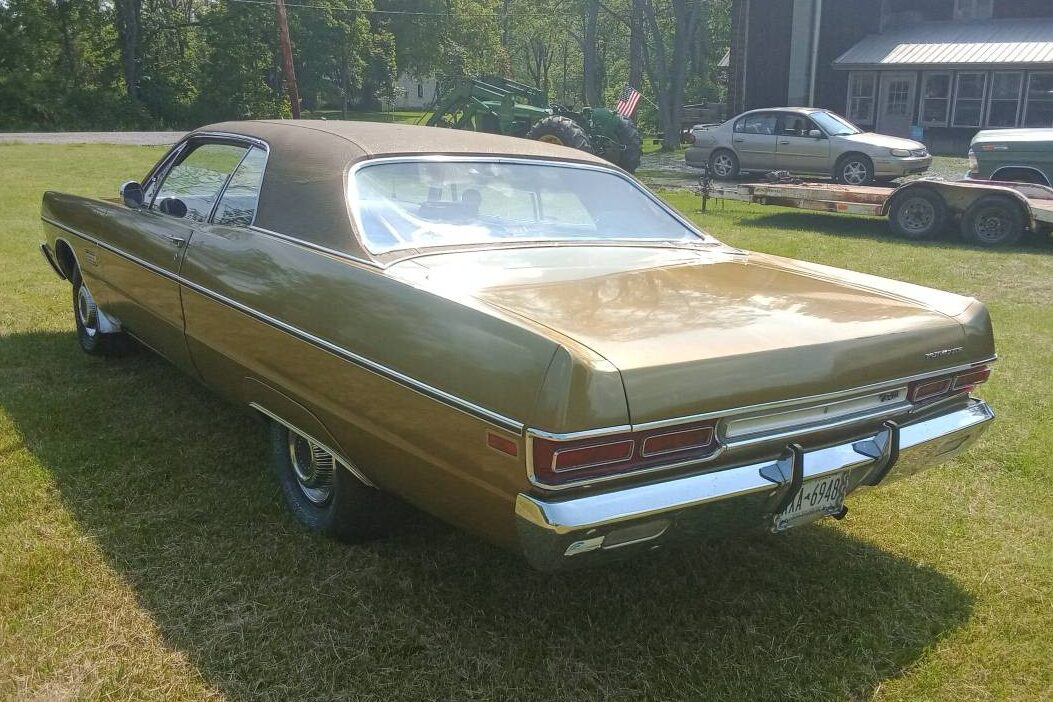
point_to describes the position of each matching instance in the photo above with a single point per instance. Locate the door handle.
(175, 240)
(784, 142)
(738, 141)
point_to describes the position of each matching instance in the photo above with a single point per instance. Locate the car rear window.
(426, 203)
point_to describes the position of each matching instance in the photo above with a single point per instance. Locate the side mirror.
(815, 134)
(132, 194)
(173, 207)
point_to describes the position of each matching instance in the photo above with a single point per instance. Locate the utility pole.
(287, 60)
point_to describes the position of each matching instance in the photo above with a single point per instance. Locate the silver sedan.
(806, 141)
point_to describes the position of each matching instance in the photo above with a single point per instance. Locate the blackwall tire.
(854, 169)
(632, 145)
(917, 213)
(993, 220)
(561, 131)
(724, 164)
(322, 493)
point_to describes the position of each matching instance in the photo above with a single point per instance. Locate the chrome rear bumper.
(564, 533)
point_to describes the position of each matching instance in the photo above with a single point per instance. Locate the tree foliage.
(114, 64)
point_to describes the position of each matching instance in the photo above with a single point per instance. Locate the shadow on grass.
(172, 484)
(875, 229)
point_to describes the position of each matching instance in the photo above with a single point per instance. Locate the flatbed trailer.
(991, 213)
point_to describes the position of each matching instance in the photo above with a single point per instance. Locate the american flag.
(627, 101)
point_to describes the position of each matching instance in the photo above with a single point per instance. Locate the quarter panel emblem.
(944, 353)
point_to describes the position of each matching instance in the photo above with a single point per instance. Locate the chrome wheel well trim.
(448, 399)
(337, 455)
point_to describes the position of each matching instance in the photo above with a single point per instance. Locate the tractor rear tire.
(632, 144)
(560, 130)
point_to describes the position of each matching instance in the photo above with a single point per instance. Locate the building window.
(1039, 109)
(861, 88)
(973, 9)
(969, 99)
(420, 90)
(1003, 107)
(935, 99)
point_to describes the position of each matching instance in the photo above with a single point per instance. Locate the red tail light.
(923, 391)
(560, 462)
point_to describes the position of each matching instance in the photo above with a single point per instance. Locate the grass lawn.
(145, 554)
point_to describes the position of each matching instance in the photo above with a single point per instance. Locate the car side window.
(198, 178)
(795, 125)
(762, 123)
(237, 206)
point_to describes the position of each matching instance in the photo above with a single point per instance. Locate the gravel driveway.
(129, 138)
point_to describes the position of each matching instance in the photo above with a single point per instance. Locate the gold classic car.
(516, 337)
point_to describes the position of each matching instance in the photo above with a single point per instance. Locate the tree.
(671, 29)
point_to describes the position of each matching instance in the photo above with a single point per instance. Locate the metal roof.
(988, 42)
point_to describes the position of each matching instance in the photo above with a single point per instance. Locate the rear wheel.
(322, 493)
(993, 220)
(917, 213)
(631, 144)
(854, 169)
(724, 164)
(561, 131)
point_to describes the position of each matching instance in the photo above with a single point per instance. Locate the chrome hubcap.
(87, 311)
(722, 165)
(855, 172)
(917, 215)
(992, 226)
(313, 467)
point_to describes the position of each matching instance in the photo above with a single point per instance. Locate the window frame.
(1019, 99)
(1027, 95)
(875, 77)
(759, 113)
(949, 99)
(982, 99)
(192, 141)
(384, 258)
(230, 178)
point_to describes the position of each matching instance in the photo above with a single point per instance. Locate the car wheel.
(854, 169)
(322, 493)
(86, 318)
(724, 164)
(994, 220)
(917, 213)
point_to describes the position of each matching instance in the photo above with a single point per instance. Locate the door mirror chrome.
(815, 134)
(173, 207)
(132, 194)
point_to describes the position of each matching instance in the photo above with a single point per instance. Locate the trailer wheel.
(993, 220)
(560, 130)
(917, 213)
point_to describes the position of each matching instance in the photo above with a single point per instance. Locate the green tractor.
(502, 106)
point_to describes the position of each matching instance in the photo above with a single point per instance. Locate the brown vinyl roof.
(303, 194)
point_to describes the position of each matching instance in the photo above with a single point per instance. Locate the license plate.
(817, 498)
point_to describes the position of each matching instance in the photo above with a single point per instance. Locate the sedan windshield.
(834, 125)
(426, 203)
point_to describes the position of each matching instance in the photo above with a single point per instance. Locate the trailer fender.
(960, 195)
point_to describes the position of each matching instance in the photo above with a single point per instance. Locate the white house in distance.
(414, 93)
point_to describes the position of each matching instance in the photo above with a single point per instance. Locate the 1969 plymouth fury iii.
(516, 337)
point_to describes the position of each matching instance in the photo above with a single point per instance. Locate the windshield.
(425, 203)
(834, 125)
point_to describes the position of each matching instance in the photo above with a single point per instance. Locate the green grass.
(145, 554)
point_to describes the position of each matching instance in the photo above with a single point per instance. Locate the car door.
(797, 150)
(754, 140)
(143, 278)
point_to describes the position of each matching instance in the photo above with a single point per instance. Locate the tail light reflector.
(556, 462)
